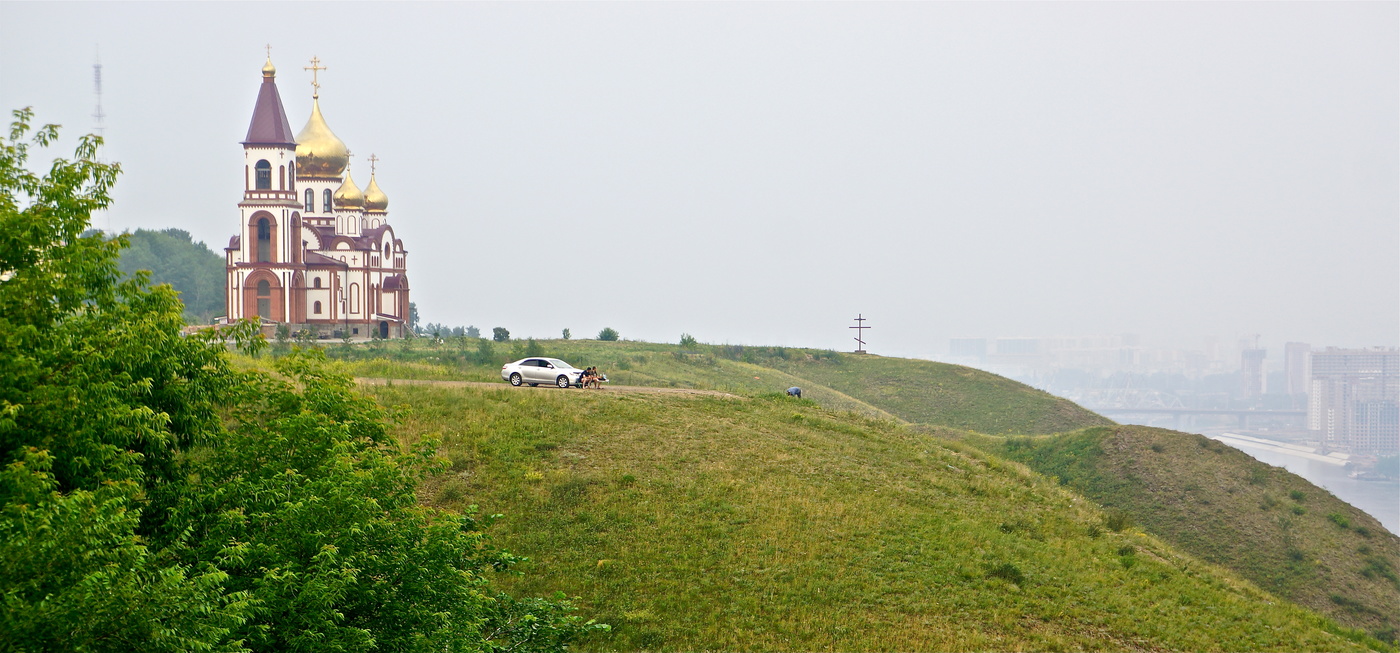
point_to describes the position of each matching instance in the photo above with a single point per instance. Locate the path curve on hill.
(483, 384)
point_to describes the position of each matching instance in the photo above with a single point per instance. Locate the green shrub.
(500, 334)
(608, 334)
(1118, 521)
(1006, 571)
(1297, 495)
(687, 340)
(1339, 519)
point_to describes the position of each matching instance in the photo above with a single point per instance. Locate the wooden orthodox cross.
(860, 333)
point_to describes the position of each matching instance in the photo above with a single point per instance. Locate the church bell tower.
(265, 257)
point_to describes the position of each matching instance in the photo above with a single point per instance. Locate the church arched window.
(281, 177)
(316, 308)
(310, 201)
(317, 283)
(264, 252)
(264, 298)
(263, 180)
(326, 201)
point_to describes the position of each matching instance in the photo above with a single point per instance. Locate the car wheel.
(515, 379)
(563, 381)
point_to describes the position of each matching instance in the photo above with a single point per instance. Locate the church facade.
(313, 251)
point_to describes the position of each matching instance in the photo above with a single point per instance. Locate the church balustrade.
(269, 195)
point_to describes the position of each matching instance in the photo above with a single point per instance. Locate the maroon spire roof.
(269, 126)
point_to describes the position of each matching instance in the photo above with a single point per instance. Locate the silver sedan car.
(534, 371)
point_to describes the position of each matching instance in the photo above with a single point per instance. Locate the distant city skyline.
(761, 174)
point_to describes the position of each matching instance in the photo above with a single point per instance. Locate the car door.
(532, 370)
(547, 372)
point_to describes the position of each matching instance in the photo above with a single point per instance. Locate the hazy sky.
(759, 173)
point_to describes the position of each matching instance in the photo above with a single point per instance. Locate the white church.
(313, 251)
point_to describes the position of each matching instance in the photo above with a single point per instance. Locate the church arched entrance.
(383, 329)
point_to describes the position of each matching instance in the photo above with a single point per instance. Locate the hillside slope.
(916, 391)
(1218, 503)
(771, 524)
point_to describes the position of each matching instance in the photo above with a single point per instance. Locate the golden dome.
(269, 70)
(319, 153)
(348, 196)
(375, 200)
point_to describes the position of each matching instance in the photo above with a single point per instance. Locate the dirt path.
(480, 384)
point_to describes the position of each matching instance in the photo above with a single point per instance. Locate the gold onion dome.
(375, 200)
(348, 196)
(319, 152)
(269, 70)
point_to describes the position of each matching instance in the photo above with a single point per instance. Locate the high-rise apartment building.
(1295, 367)
(1354, 399)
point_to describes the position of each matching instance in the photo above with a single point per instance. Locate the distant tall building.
(1354, 399)
(1295, 367)
(1252, 372)
(974, 349)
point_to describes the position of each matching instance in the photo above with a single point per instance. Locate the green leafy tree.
(485, 352)
(153, 498)
(687, 340)
(608, 333)
(567, 334)
(99, 392)
(191, 268)
(413, 317)
(500, 334)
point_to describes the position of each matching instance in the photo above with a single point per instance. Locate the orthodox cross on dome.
(269, 51)
(349, 158)
(372, 160)
(315, 67)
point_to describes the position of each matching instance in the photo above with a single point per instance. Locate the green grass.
(764, 523)
(1218, 503)
(916, 391)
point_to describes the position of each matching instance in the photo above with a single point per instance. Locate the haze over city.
(762, 173)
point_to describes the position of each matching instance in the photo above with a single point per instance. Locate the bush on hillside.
(608, 333)
(500, 334)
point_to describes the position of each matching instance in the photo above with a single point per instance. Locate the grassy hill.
(765, 523)
(1314, 550)
(1218, 503)
(916, 391)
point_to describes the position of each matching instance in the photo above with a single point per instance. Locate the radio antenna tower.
(98, 115)
(860, 333)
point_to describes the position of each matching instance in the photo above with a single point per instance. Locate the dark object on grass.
(795, 391)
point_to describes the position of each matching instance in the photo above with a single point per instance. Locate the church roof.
(235, 243)
(313, 259)
(269, 125)
(396, 282)
(369, 238)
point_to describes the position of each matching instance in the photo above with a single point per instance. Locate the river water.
(1380, 499)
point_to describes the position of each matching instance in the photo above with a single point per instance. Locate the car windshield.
(559, 363)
